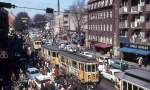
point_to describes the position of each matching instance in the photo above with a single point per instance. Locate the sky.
(41, 4)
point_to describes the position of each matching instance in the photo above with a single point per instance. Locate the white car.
(41, 79)
(110, 74)
(32, 73)
(88, 54)
(70, 48)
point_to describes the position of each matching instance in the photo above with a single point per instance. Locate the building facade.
(123, 25)
(103, 29)
(134, 29)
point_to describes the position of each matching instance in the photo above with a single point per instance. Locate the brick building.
(103, 26)
(134, 29)
(123, 25)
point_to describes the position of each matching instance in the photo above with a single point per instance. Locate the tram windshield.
(91, 67)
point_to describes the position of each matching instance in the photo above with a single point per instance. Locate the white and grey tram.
(133, 79)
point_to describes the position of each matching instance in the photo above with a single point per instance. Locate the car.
(32, 72)
(118, 64)
(87, 54)
(110, 74)
(70, 48)
(41, 80)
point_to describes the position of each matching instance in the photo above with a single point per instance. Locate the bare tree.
(78, 14)
(39, 21)
(22, 21)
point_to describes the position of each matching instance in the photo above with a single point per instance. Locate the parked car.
(118, 64)
(110, 74)
(41, 80)
(32, 73)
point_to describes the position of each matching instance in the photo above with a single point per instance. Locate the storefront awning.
(135, 51)
(102, 45)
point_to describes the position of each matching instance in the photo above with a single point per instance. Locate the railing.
(136, 24)
(136, 9)
(123, 24)
(140, 41)
(123, 9)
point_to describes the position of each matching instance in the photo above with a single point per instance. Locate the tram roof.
(140, 77)
(78, 57)
(51, 47)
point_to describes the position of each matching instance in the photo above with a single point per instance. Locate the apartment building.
(103, 25)
(134, 28)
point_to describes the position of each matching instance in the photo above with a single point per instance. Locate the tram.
(83, 68)
(37, 44)
(50, 53)
(134, 79)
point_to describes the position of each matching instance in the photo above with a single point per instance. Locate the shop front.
(131, 52)
(103, 47)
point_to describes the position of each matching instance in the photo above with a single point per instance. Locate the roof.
(138, 77)
(51, 47)
(32, 69)
(78, 57)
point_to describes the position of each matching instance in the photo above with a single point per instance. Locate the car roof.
(32, 69)
(115, 70)
(42, 77)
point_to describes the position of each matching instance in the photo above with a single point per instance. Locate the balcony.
(136, 9)
(145, 41)
(123, 24)
(147, 7)
(123, 10)
(136, 24)
(147, 25)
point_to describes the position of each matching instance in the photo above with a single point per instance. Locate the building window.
(104, 27)
(110, 27)
(110, 40)
(102, 3)
(111, 1)
(110, 14)
(103, 15)
(106, 2)
(107, 28)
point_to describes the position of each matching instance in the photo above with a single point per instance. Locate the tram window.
(74, 64)
(49, 53)
(135, 87)
(124, 85)
(129, 86)
(82, 67)
(62, 59)
(89, 68)
(141, 89)
(96, 67)
(93, 68)
(54, 54)
(37, 43)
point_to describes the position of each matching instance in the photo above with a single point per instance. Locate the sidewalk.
(136, 65)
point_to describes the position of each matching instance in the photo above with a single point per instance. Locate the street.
(106, 85)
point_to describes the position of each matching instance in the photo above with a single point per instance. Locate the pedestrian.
(140, 61)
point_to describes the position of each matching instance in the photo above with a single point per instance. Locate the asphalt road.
(105, 85)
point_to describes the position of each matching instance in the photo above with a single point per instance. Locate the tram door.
(81, 71)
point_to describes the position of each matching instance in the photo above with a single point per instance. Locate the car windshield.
(34, 72)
